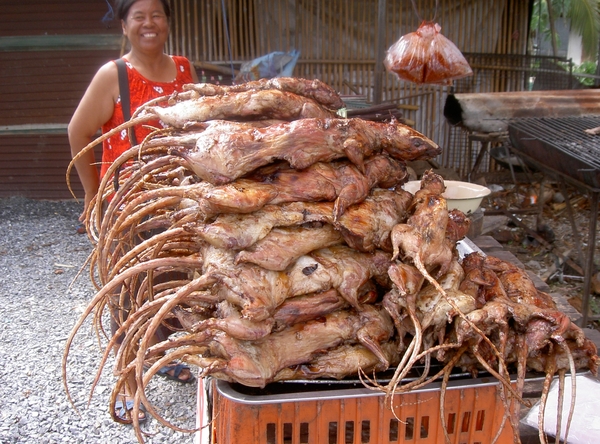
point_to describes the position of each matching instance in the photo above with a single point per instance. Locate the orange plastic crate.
(473, 412)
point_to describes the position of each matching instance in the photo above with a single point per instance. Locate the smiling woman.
(150, 73)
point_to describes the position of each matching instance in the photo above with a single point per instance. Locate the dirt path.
(539, 245)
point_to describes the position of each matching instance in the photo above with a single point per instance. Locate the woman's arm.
(95, 108)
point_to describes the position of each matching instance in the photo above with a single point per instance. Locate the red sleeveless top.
(141, 90)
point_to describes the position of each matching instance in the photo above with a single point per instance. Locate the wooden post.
(380, 51)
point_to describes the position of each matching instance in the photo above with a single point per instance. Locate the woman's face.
(146, 25)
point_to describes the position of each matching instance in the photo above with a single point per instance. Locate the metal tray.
(297, 391)
(466, 246)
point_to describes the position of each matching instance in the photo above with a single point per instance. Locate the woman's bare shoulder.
(108, 71)
(106, 80)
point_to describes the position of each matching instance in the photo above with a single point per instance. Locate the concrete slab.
(566, 308)
(491, 223)
(593, 335)
(487, 244)
(538, 281)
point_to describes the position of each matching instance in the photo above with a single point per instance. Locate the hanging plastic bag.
(275, 64)
(426, 56)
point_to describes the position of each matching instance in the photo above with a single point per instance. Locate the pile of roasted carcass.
(275, 239)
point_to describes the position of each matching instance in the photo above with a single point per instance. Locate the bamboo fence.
(343, 43)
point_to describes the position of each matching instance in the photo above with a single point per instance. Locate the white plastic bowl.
(463, 196)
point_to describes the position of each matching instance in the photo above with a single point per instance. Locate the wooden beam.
(60, 42)
(380, 51)
(39, 128)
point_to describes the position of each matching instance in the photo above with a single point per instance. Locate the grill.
(561, 145)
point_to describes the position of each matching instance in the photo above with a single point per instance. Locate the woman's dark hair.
(123, 7)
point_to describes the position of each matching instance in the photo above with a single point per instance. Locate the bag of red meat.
(426, 56)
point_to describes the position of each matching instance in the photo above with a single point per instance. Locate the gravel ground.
(41, 255)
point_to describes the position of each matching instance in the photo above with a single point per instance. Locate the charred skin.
(314, 89)
(340, 182)
(244, 105)
(256, 363)
(341, 362)
(365, 226)
(282, 246)
(423, 238)
(307, 307)
(458, 226)
(226, 150)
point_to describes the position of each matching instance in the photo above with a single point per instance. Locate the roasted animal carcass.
(313, 89)
(434, 310)
(365, 226)
(422, 238)
(225, 150)
(341, 362)
(506, 296)
(256, 363)
(282, 246)
(228, 318)
(351, 270)
(258, 291)
(340, 182)
(240, 231)
(249, 105)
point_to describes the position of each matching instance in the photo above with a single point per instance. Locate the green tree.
(583, 15)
